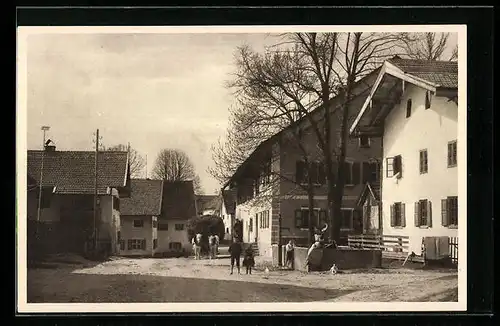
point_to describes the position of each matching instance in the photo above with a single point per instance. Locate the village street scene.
(242, 167)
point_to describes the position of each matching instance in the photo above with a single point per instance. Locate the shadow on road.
(146, 288)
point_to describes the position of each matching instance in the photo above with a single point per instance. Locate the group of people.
(213, 243)
(235, 251)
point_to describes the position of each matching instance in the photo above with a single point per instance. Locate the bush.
(205, 225)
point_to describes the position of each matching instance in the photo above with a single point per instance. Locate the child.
(235, 252)
(289, 254)
(248, 260)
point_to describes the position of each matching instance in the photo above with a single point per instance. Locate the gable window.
(136, 244)
(452, 154)
(346, 218)
(394, 166)
(163, 226)
(364, 142)
(424, 167)
(316, 171)
(449, 211)
(423, 213)
(179, 227)
(116, 203)
(302, 218)
(408, 108)
(138, 223)
(398, 215)
(174, 246)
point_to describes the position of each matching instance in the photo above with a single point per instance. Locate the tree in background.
(430, 46)
(175, 165)
(136, 161)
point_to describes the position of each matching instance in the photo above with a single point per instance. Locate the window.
(302, 218)
(138, 223)
(155, 223)
(137, 244)
(427, 100)
(449, 211)
(163, 226)
(423, 213)
(408, 108)
(346, 218)
(398, 216)
(394, 166)
(116, 203)
(174, 246)
(250, 225)
(316, 170)
(155, 243)
(370, 172)
(452, 154)
(352, 173)
(264, 220)
(424, 167)
(364, 142)
(122, 244)
(179, 227)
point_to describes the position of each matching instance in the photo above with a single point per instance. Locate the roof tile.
(145, 198)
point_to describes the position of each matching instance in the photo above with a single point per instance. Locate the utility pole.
(95, 189)
(38, 215)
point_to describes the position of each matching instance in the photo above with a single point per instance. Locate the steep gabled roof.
(442, 73)
(145, 198)
(178, 200)
(73, 172)
(207, 202)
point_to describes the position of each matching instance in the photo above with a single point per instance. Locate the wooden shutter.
(398, 165)
(417, 213)
(444, 212)
(298, 218)
(393, 215)
(403, 214)
(299, 171)
(356, 170)
(366, 172)
(429, 213)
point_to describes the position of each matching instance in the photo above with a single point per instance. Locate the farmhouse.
(270, 197)
(139, 218)
(412, 108)
(67, 202)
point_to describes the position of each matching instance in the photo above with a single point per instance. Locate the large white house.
(413, 108)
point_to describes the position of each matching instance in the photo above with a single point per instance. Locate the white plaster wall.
(429, 129)
(128, 231)
(172, 235)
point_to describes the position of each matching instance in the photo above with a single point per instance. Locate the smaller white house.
(139, 218)
(228, 211)
(413, 108)
(178, 206)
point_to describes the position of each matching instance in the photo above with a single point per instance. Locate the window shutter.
(298, 218)
(356, 170)
(398, 165)
(393, 215)
(444, 212)
(417, 213)
(403, 215)
(299, 171)
(366, 172)
(429, 213)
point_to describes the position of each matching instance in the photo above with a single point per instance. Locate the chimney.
(50, 146)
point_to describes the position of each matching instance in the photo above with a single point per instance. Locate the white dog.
(334, 269)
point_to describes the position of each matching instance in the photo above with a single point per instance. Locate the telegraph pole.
(44, 129)
(95, 188)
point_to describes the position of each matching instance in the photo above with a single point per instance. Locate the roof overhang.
(387, 71)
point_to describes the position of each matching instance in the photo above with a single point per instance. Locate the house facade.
(414, 112)
(178, 206)
(139, 218)
(68, 194)
(271, 197)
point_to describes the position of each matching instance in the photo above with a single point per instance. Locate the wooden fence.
(394, 246)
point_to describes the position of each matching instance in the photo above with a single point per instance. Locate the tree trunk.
(310, 197)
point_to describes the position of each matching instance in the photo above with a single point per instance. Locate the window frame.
(424, 161)
(135, 225)
(452, 158)
(368, 142)
(136, 244)
(162, 226)
(398, 215)
(179, 227)
(305, 226)
(408, 108)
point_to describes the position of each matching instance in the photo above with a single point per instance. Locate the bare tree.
(430, 46)
(303, 73)
(136, 161)
(175, 165)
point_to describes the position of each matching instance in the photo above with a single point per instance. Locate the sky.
(153, 90)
